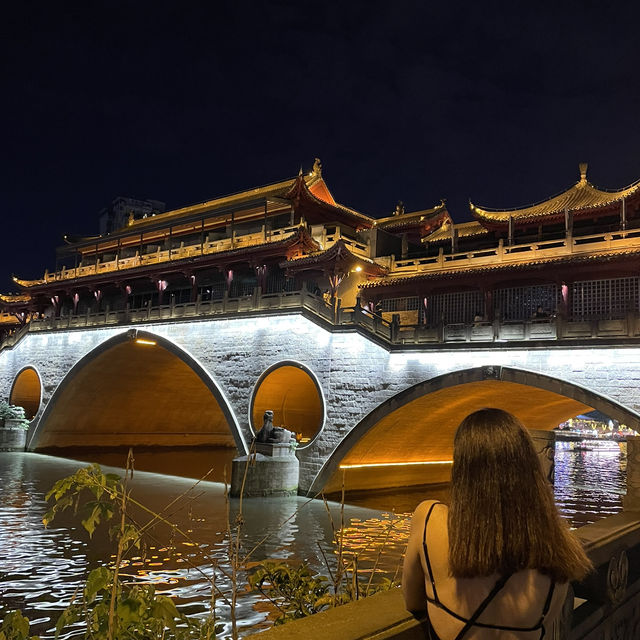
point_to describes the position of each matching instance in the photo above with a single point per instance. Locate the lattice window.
(520, 303)
(179, 296)
(604, 299)
(213, 291)
(242, 287)
(454, 307)
(400, 304)
(278, 282)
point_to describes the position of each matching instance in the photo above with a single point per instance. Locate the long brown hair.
(502, 516)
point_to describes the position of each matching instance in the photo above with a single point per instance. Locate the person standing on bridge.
(497, 562)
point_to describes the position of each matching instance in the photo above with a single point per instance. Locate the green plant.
(138, 613)
(109, 609)
(13, 412)
(15, 627)
(293, 590)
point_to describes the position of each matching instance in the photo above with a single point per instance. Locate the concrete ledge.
(381, 616)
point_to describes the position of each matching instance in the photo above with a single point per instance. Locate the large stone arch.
(410, 436)
(137, 388)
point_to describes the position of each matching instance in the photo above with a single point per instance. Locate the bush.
(13, 412)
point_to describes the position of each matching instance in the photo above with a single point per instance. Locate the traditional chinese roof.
(463, 230)
(337, 256)
(582, 196)
(424, 221)
(313, 181)
(316, 210)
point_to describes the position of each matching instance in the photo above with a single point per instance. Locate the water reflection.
(590, 480)
(41, 568)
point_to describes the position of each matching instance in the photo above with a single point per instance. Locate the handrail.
(169, 255)
(568, 245)
(358, 317)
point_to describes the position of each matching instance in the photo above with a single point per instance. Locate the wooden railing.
(504, 254)
(356, 247)
(199, 249)
(168, 255)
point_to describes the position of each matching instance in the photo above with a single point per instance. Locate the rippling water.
(590, 480)
(40, 569)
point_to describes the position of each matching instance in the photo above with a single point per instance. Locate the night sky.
(185, 101)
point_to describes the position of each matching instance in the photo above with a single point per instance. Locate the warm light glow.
(358, 268)
(142, 341)
(393, 464)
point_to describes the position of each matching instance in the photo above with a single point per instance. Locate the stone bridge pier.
(370, 415)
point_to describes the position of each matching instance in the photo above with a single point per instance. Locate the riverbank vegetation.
(13, 415)
(111, 606)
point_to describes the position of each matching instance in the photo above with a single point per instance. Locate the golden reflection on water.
(588, 486)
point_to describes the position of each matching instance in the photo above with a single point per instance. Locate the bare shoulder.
(438, 510)
(423, 508)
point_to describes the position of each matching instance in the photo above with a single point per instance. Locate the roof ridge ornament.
(583, 172)
(399, 210)
(317, 168)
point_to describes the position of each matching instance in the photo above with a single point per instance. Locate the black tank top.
(473, 620)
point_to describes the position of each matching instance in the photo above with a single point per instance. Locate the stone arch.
(26, 391)
(294, 393)
(389, 434)
(137, 389)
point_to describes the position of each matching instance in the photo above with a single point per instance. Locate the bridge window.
(292, 392)
(391, 305)
(520, 303)
(454, 307)
(27, 392)
(179, 296)
(604, 299)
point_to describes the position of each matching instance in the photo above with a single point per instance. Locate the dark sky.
(184, 101)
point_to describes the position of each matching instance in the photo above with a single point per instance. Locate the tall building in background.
(117, 214)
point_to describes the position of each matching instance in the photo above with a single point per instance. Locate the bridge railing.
(256, 302)
(358, 317)
(520, 330)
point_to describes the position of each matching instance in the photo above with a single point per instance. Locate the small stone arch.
(294, 393)
(180, 365)
(26, 391)
(384, 432)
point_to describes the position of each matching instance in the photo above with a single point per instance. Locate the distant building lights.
(151, 343)
(394, 464)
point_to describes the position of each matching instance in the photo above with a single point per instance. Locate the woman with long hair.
(497, 562)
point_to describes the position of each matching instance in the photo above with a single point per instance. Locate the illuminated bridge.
(380, 411)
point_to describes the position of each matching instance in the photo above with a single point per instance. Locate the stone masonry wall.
(355, 374)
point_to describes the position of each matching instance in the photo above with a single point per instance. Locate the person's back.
(521, 603)
(496, 563)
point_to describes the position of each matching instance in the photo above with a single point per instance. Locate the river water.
(41, 568)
